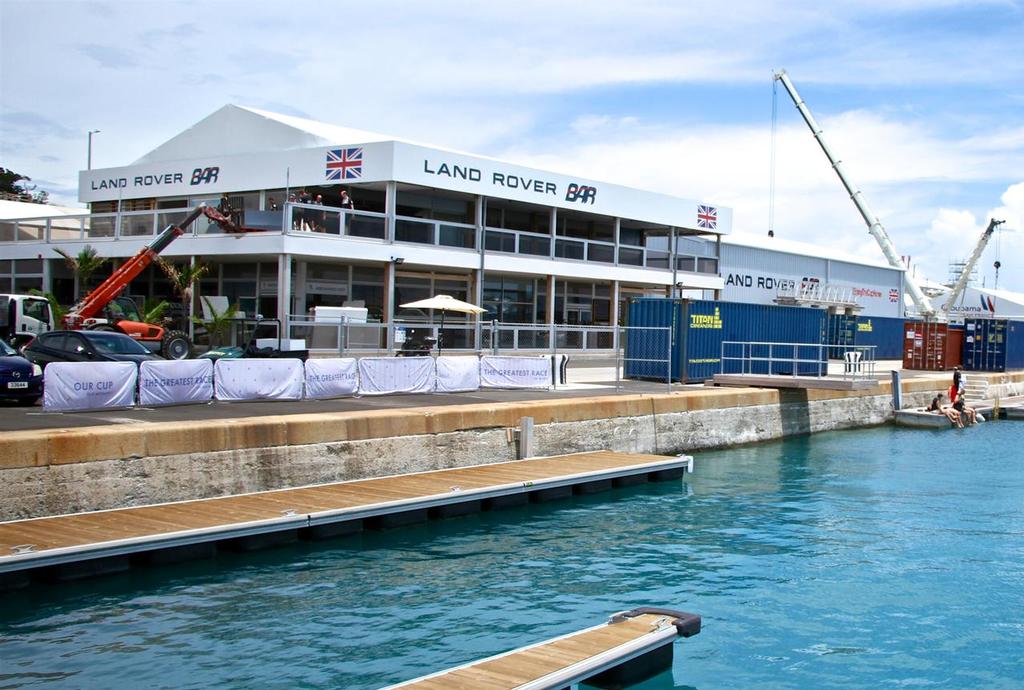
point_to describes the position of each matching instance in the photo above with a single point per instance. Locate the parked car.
(86, 346)
(20, 379)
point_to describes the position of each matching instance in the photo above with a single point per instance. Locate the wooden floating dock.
(631, 647)
(766, 381)
(70, 546)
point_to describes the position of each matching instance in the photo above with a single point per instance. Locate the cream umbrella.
(444, 303)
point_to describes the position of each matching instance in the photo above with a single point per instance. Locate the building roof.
(238, 129)
(777, 244)
(21, 209)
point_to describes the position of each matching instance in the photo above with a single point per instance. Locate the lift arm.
(92, 304)
(874, 225)
(961, 284)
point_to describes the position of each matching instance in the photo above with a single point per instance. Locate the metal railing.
(329, 221)
(796, 359)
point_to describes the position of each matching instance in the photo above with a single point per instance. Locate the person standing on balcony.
(346, 201)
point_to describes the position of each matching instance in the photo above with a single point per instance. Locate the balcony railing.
(328, 221)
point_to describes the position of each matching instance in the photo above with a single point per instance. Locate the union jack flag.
(894, 295)
(707, 217)
(345, 164)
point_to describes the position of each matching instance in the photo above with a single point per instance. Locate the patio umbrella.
(444, 303)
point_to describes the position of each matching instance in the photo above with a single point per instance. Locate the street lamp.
(88, 155)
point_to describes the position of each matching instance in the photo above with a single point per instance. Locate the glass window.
(434, 205)
(239, 270)
(516, 215)
(413, 231)
(37, 309)
(28, 266)
(500, 242)
(587, 226)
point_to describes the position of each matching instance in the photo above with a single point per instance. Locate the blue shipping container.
(885, 333)
(993, 344)
(700, 327)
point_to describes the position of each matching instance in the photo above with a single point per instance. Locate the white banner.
(515, 372)
(331, 378)
(458, 374)
(89, 385)
(379, 375)
(175, 382)
(258, 379)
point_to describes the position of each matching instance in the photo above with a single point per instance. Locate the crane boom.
(922, 303)
(969, 266)
(94, 302)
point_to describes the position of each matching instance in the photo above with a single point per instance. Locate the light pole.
(88, 155)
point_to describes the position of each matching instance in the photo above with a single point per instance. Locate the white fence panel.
(258, 379)
(515, 372)
(456, 374)
(175, 382)
(381, 375)
(89, 385)
(331, 378)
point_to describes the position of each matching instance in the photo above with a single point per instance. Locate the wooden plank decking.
(570, 659)
(27, 544)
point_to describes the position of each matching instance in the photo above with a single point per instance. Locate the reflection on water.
(852, 559)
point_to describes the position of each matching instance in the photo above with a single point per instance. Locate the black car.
(20, 379)
(86, 346)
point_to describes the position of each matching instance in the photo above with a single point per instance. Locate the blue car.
(20, 379)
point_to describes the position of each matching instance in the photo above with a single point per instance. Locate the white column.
(554, 231)
(284, 289)
(389, 302)
(390, 204)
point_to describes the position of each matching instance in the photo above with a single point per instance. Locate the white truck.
(23, 317)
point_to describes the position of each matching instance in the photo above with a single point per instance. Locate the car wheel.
(176, 345)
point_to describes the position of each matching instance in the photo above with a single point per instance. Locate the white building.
(531, 246)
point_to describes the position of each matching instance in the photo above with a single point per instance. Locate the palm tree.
(84, 264)
(153, 311)
(183, 280)
(218, 324)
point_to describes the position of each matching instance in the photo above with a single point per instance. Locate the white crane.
(922, 303)
(969, 266)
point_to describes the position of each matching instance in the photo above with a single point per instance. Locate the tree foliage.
(219, 323)
(84, 264)
(13, 184)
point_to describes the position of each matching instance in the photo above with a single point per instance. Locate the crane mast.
(965, 275)
(874, 225)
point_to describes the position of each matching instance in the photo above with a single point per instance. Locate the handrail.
(771, 357)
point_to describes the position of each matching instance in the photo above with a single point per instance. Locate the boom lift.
(103, 310)
(961, 284)
(922, 303)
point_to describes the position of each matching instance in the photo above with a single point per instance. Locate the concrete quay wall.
(74, 470)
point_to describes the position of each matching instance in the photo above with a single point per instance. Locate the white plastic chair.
(852, 362)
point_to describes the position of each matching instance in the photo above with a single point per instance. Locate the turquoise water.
(878, 558)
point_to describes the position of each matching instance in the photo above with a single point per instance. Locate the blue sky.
(921, 99)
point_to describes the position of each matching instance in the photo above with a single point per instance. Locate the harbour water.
(882, 557)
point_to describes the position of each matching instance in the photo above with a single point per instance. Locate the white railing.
(796, 359)
(329, 221)
(343, 334)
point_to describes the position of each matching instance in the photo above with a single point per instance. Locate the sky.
(922, 100)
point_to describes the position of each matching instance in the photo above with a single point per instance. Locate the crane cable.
(771, 164)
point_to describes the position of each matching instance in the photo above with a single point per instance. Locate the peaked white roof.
(236, 129)
(22, 209)
(778, 244)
